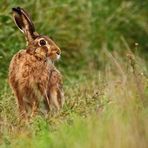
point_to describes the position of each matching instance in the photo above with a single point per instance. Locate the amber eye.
(42, 42)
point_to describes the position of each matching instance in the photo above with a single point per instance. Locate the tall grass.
(104, 51)
(106, 108)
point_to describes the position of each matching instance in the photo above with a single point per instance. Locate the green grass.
(105, 74)
(103, 109)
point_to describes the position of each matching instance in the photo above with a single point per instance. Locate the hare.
(32, 74)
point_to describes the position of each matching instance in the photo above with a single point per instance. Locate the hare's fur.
(32, 75)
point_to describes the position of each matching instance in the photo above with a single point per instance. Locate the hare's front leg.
(55, 90)
(60, 97)
(53, 98)
(53, 95)
(47, 102)
(45, 94)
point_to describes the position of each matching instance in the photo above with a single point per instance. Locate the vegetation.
(104, 64)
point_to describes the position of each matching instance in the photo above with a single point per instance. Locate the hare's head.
(39, 45)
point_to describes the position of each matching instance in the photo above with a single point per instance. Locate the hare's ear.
(24, 23)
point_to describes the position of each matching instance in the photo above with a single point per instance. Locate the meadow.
(104, 63)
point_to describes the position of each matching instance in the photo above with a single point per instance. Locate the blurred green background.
(80, 27)
(104, 64)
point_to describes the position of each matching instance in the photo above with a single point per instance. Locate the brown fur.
(32, 74)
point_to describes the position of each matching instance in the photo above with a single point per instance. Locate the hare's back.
(16, 64)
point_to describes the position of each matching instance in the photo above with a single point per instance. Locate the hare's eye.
(42, 42)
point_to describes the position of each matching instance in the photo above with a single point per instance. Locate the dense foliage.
(104, 63)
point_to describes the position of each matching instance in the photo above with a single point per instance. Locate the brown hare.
(32, 74)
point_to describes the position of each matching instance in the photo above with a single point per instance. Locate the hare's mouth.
(58, 56)
(54, 57)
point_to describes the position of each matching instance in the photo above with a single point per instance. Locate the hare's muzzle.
(54, 53)
(58, 54)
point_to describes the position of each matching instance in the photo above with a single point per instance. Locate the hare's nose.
(58, 52)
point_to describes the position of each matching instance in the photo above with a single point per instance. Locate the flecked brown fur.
(32, 74)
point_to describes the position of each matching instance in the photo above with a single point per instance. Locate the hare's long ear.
(24, 23)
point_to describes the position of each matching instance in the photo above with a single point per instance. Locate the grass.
(103, 109)
(104, 64)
